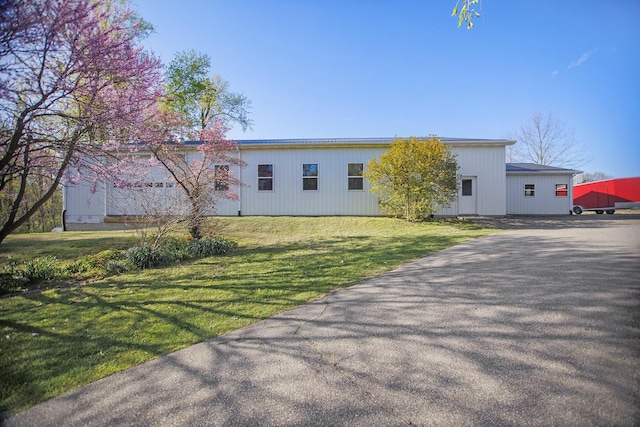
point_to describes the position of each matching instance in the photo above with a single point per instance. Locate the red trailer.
(607, 195)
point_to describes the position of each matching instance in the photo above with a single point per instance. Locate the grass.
(64, 246)
(60, 339)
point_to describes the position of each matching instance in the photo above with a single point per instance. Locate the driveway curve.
(537, 325)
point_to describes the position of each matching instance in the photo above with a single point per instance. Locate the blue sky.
(369, 68)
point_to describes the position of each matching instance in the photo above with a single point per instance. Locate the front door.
(467, 197)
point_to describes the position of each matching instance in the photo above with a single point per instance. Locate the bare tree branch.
(546, 140)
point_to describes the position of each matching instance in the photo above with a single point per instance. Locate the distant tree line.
(581, 178)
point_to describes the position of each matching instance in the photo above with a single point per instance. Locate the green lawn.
(63, 246)
(60, 339)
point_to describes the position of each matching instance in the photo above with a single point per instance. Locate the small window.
(265, 177)
(561, 190)
(529, 190)
(221, 176)
(354, 171)
(310, 176)
(467, 187)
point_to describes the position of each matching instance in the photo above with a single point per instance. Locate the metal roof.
(355, 140)
(373, 142)
(327, 141)
(535, 168)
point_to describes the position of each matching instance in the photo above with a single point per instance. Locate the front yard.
(62, 338)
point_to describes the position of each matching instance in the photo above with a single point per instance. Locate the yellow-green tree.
(414, 178)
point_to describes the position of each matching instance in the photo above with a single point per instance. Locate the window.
(310, 176)
(221, 177)
(354, 171)
(265, 177)
(561, 190)
(467, 187)
(529, 190)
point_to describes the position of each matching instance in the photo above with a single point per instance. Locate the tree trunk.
(195, 219)
(13, 222)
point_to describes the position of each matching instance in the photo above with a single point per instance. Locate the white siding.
(84, 203)
(138, 201)
(159, 197)
(545, 201)
(288, 198)
(484, 162)
(228, 207)
(487, 165)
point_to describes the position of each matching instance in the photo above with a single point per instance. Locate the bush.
(210, 246)
(109, 261)
(97, 264)
(39, 269)
(176, 249)
(145, 256)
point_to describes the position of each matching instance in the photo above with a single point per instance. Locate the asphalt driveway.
(537, 325)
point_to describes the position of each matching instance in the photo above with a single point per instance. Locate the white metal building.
(539, 190)
(309, 177)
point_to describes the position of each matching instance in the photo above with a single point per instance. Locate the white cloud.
(554, 74)
(582, 59)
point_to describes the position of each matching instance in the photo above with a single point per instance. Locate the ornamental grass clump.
(176, 249)
(146, 256)
(211, 246)
(40, 269)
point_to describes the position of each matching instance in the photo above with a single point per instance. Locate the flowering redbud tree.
(75, 86)
(202, 170)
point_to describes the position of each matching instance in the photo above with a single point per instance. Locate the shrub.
(38, 269)
(96, 264)
(176, 249)
(104, 257)
(210, 246)
(81, 265)
(110, 261)
(145, 256)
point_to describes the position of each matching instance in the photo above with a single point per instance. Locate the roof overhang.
(267, 144)
(535, 169)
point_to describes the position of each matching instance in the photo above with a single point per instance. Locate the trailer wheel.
(577, 210)
(599, 212)
(611, 211)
